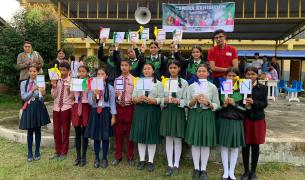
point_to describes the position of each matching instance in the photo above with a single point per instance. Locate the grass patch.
(13, 165)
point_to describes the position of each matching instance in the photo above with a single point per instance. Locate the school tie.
(99, 108)
(79, 106)
(124, 92)
(27, 102)
(61, 97)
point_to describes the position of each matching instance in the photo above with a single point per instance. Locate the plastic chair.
(293, 92)
(281, 85)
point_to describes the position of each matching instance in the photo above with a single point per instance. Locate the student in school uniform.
(61, 57)
(80, 115)
(136, 61)
(112, 61)
(35, 114)
(230, 126)
(102, 118)
(173, 119)
(254, 123)
(175, 54)
(63, 100)
(125, 109)
(190, 66)
(74, 66)
(156, 58)
(145, 129)
(201, 127)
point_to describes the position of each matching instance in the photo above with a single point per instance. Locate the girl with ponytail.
(190, 65)
(173, 120)
(102, 118)
(203, 101)
(145, 128)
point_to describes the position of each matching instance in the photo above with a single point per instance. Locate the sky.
(8, 8)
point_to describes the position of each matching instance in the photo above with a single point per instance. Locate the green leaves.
(35, 24)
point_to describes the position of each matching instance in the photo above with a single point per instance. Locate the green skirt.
(173, 121)
(230, 133)
(145, 126)
(201, 128)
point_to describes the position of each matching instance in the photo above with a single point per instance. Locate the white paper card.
(144, 84)
(53, 75)
(76, 84)
(119, 84)
(40, 81)
(203, 87)
(134, 36)
(119, 37)
(177, 36)
(173, 85)
(145, 34)
(104, 33)
(97, 83)
(161, 35)
(227, 87)
(245, 86)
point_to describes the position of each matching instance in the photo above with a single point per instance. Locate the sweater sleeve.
(262, 102)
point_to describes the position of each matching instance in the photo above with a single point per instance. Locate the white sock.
(178, 150)
(204, 153)
(196, 156)
(169, 150)
(233, 161)
(151, 152)
(224, 157)
(142, 149)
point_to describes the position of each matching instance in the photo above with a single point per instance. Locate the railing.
(124, 9)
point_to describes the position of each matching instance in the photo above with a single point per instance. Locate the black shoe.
(104, 163)
(150, 167)
(141, 165)
(245, 176)
(175, 171)
(131, 162)
(204, 175)
(232, 178)
(76, 162)
(96, 163)
(54, 157)
(116, 162)
(169, 171)
(82, 162)
(196, 174)
(253, 176)
(225, 178)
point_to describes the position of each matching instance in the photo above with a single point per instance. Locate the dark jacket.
(137, 66)
(112, 63)
(160, 64)
(232, 112)
(260, 102)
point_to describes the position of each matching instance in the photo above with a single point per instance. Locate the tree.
(37, 24)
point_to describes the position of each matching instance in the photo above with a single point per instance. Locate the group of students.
(146, 117)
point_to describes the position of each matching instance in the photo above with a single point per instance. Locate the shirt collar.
(197, 62)
(154, 57)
